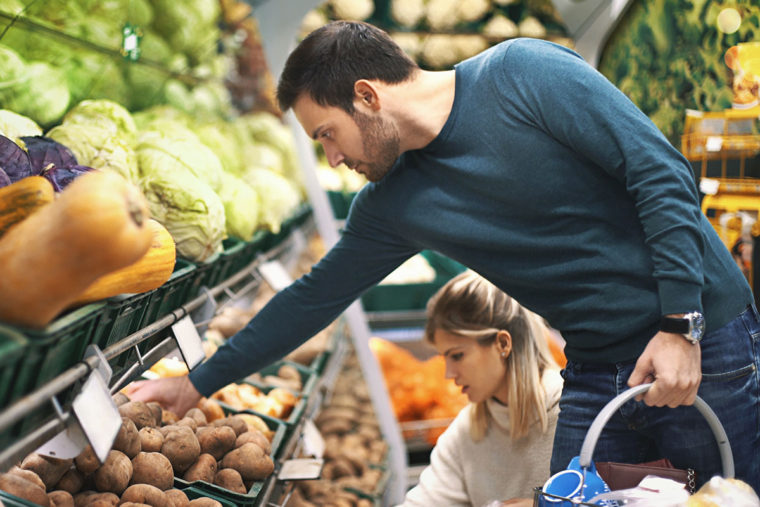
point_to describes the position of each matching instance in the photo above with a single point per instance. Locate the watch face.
(697, 327)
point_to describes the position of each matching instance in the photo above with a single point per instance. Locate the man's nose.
(334, 156)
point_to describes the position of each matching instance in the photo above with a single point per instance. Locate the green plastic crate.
(13, 346)
(340, 202)
(238, 499)
(122, 315)
(193, 493)
(205, 275)
(172, 294)
(231, 260)
(13, 501)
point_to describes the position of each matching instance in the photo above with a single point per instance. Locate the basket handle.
(601, 420)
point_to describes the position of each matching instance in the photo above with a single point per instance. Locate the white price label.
(275, 275)
(97, 415)
(313, 443)
(189, 342)
(300, 469)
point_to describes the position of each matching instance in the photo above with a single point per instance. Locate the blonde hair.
(472, 307)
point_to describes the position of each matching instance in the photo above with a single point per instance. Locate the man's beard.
(380, 141)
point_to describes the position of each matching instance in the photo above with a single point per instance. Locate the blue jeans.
(637, 433)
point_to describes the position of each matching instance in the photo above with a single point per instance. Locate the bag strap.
(589, 443)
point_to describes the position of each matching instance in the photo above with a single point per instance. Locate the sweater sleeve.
(442, 481)
(559, 93)
(354, 264)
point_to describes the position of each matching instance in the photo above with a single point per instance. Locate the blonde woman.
(499, 446)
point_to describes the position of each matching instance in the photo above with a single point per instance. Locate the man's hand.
(674, 366)
(176, 394)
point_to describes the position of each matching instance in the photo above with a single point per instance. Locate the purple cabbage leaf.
(14, 161)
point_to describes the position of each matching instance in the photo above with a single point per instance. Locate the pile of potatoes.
(354, 448)
(152, 447)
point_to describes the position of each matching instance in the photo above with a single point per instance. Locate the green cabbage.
(220, 137)
(105, 114)
(98, 148)
(14, 126)
(279, 197)
(241, 207)
(188, 208)
(169, 144)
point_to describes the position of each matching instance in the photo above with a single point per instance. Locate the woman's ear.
(504, 343)
(365, 95)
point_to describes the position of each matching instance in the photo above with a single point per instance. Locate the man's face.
(367, 143)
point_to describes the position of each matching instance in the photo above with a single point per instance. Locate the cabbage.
(105, 114)
(95, 76)
(98, 148)
(188, 208)
(190, 27)
(267, 128)
(279, 197)
(178, 146)
(220, 137)
(145, 118)
(15, 126)
(241, 207)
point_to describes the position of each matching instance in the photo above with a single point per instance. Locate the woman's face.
(479, 370)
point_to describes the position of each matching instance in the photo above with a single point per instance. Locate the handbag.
(628, 475)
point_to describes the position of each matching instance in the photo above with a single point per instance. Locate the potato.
(140, 413)
(177, 497)
(230, 479)
(151, 439)
(169, 417)
(127, 439)
(154, 469)
(216, 441)
(120, 399)
(255, 422)
(211, 409)
(28, 475)
(204, 469)
(250, 460)
(115, 474)
(204, 502)
(95, 499)
(198, 416)
(255, 437)
(50, 470)
(158, 412)
(189, 422)
(181, 447)
(87, 462)
(147, 494)
(60, 498)
(233, 421)
(71, 482)
(25, 489)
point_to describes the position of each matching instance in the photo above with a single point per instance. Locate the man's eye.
(326, 135)
(456, 357)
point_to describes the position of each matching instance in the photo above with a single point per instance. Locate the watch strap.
(679, 325)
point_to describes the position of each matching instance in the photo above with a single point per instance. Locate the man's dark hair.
(328, 62)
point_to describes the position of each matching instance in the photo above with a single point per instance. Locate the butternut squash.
(150, 272)
(96, 225)
(22, 198)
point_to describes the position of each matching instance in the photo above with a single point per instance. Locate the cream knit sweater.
(467, 473)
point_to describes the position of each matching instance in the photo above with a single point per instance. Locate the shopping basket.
(541, 498)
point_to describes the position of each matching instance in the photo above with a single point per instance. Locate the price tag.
(714, 143)
(313, 443)
(189, 342)
(275, 275)
(709, 186)
(97, 415)
(300, 469)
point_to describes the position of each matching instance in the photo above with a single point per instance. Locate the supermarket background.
(177, 98)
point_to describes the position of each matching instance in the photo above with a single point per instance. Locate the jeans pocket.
(728, 376)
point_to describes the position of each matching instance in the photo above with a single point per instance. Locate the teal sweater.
(549, 182)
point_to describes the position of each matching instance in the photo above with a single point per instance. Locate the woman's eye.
(456, 357)
(326, 135)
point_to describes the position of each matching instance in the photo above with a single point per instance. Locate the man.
(528, 166)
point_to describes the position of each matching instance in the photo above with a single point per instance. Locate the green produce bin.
(9, 500)
(13, 346)
(231, 260)
(122, 316)
(205, 275)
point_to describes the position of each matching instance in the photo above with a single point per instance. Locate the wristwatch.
(691, 326)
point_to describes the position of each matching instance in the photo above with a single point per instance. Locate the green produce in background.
(188, 208)
(14, 126)
(279, 197)
(241, 207)
(667, 56)
(98, 147)
(105, 114)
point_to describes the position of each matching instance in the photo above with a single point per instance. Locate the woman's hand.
(176, 394)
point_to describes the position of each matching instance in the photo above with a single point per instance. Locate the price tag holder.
(97, 415)
(188, 341)
(275, 275)
(300, 469)
(313, 443)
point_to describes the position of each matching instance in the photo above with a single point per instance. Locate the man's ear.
(365, 95)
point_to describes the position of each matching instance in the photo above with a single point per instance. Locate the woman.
(499, 446)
